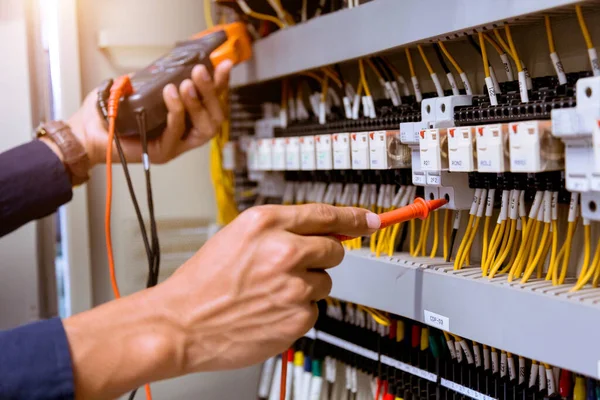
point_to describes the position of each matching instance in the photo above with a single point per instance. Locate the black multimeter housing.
(148, 84)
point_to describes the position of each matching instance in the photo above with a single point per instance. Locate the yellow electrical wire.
(393, 237)
(363, 78)
(412, 226)
(494, 44)
(332, 75)
(324, 88)
(537, 226)
(450, 58)
(380, 318)
(551, 265)
(425, 234)
(584, 29)
(587, 243)
(411, 66)
(507, 248)
(593, 270)
(514, 253)
(597, 268)
(549, 35)
(516, 267)
(486, 233)
(313, 76)
(486, 64)
(537, 257)
(425, 60)
(253, 14)
(567, 252)
(495, 243)
(208, 14)
(463, 243)
(447, 230)
(540, 264)
(502, 43)
(513, 49)
(436, 234)
(467, 250)
(281, 13)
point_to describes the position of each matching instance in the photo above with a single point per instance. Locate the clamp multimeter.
(209, 48)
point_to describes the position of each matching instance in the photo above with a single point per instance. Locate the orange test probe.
(419, 209)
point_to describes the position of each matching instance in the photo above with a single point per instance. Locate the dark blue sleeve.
(35, 362)
(33, 184)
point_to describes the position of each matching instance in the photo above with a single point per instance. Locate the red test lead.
(419, 209)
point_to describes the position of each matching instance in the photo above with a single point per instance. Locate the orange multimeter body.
(209, 48)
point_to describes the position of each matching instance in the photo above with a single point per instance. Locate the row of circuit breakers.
(435, 149)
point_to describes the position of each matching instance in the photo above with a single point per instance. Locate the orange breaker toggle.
(419, 209)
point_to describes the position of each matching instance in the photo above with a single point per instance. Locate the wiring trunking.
(512, 263)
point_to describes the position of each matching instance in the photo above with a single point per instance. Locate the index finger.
(323, 219)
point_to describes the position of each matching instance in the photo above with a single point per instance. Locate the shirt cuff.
(34, 184)
(35, 362)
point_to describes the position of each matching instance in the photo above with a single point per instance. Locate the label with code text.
(436, 320)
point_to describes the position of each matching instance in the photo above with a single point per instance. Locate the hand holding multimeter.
(143, 94)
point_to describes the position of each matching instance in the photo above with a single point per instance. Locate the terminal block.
(533, 149)
(462, 156)
(492, 148)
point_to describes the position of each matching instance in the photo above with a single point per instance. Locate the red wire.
(378, 391)
(283, 387)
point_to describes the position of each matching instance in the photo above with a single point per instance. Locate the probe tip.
(435, 204)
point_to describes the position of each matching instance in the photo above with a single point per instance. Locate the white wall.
(18, 251)
(136, 32)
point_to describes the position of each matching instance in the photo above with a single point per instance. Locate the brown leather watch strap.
(75, 157)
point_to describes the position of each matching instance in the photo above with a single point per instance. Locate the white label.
(522, 371)
(351, 347)
(450, 344)
(558, 68)
(347, 107)
(378, 150)
(467, 351)
(459, 353)
(433, 179)
(541, 377)
(437, 84)
(356, 107)
(503, 366)
(533, 374)
(324, 152)
(452, 83)
(523, 87)
(409, 369)
(292, 154)
(491, 91)
(278, 154)
(486, 358)
(594, 61)
(464, 390)
(512, 371)
(359, 144)
(436, 320)
(465, 80)
(477, 355)
(550, 382)
(417, 88)
(495, 80)
(495, 366)
(507, 67)
(307, 153)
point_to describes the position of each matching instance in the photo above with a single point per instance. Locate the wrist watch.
(75, 158)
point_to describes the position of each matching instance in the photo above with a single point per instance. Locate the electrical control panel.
(515, 152)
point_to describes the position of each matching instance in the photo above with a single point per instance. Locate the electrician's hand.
(197, 97)
(248, 294)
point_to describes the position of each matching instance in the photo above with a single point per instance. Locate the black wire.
(103, 93)
(440, 57)
(338, 70)
(155, 266)
(452, 240)
(132, 394)
(474, 44)
(385, 68)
